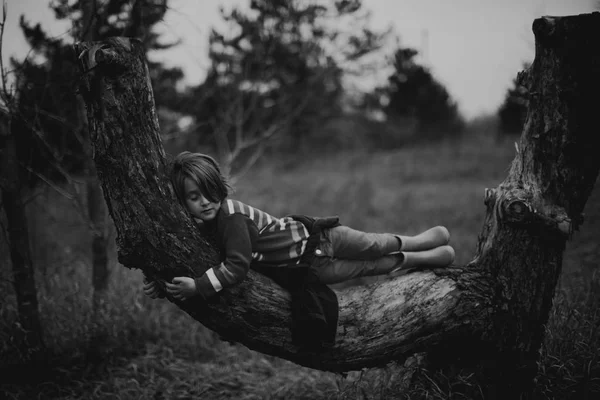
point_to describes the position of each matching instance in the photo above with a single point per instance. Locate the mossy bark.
(501, 299)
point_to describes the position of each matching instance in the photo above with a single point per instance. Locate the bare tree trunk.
(31, 344)
(98, 215)
(96, 206)
(497, 303)
(535, 210)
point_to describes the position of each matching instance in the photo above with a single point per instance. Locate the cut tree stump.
(501, 299)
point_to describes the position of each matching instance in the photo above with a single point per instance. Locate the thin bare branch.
(48, 182)
(4, 93)
(32, 198)
(247, 165)
(239, 118)
(176, 133)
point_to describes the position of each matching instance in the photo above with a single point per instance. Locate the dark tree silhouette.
(48, 119)
(413, 94)
(29, 338)
(513, 111)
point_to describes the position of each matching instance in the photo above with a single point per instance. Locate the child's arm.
(239, 234)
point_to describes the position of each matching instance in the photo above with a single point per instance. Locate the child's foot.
(439, 257)
(430, 239)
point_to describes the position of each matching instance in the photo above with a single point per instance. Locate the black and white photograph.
(299, 199)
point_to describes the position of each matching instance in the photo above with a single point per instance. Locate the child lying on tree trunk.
(299, 252)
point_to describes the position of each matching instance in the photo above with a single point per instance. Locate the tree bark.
(537, 207)
(500, 300)
(31, 343)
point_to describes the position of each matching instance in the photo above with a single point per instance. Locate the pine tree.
(52, 136)
(513, 110)
(414, 94)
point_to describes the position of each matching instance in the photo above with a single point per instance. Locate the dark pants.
(345, 253)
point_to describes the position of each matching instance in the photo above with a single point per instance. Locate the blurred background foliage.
(276, 109)
(276, 74)
(513, 110)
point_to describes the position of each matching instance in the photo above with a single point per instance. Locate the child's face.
(198, 205)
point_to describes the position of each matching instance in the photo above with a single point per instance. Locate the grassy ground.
(154, 350)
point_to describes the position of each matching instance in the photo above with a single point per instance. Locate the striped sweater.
(245, 234)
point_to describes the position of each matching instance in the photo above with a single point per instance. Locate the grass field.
(156, 351)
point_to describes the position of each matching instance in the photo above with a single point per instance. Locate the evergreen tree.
(513, 111)
(48, 133)
(413, 94)
(48, 123)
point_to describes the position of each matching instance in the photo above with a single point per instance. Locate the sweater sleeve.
(239, 236)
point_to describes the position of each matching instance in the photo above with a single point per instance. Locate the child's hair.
(203, 170)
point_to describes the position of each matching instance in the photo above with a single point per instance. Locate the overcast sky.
(474, 47)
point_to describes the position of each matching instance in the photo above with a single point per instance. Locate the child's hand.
(152, 289)
(182, 288)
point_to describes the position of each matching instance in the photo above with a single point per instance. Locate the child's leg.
(357, 245)
(348, 243)
(431, 238)
(339, 270)
(440, 256)
(354, 254)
